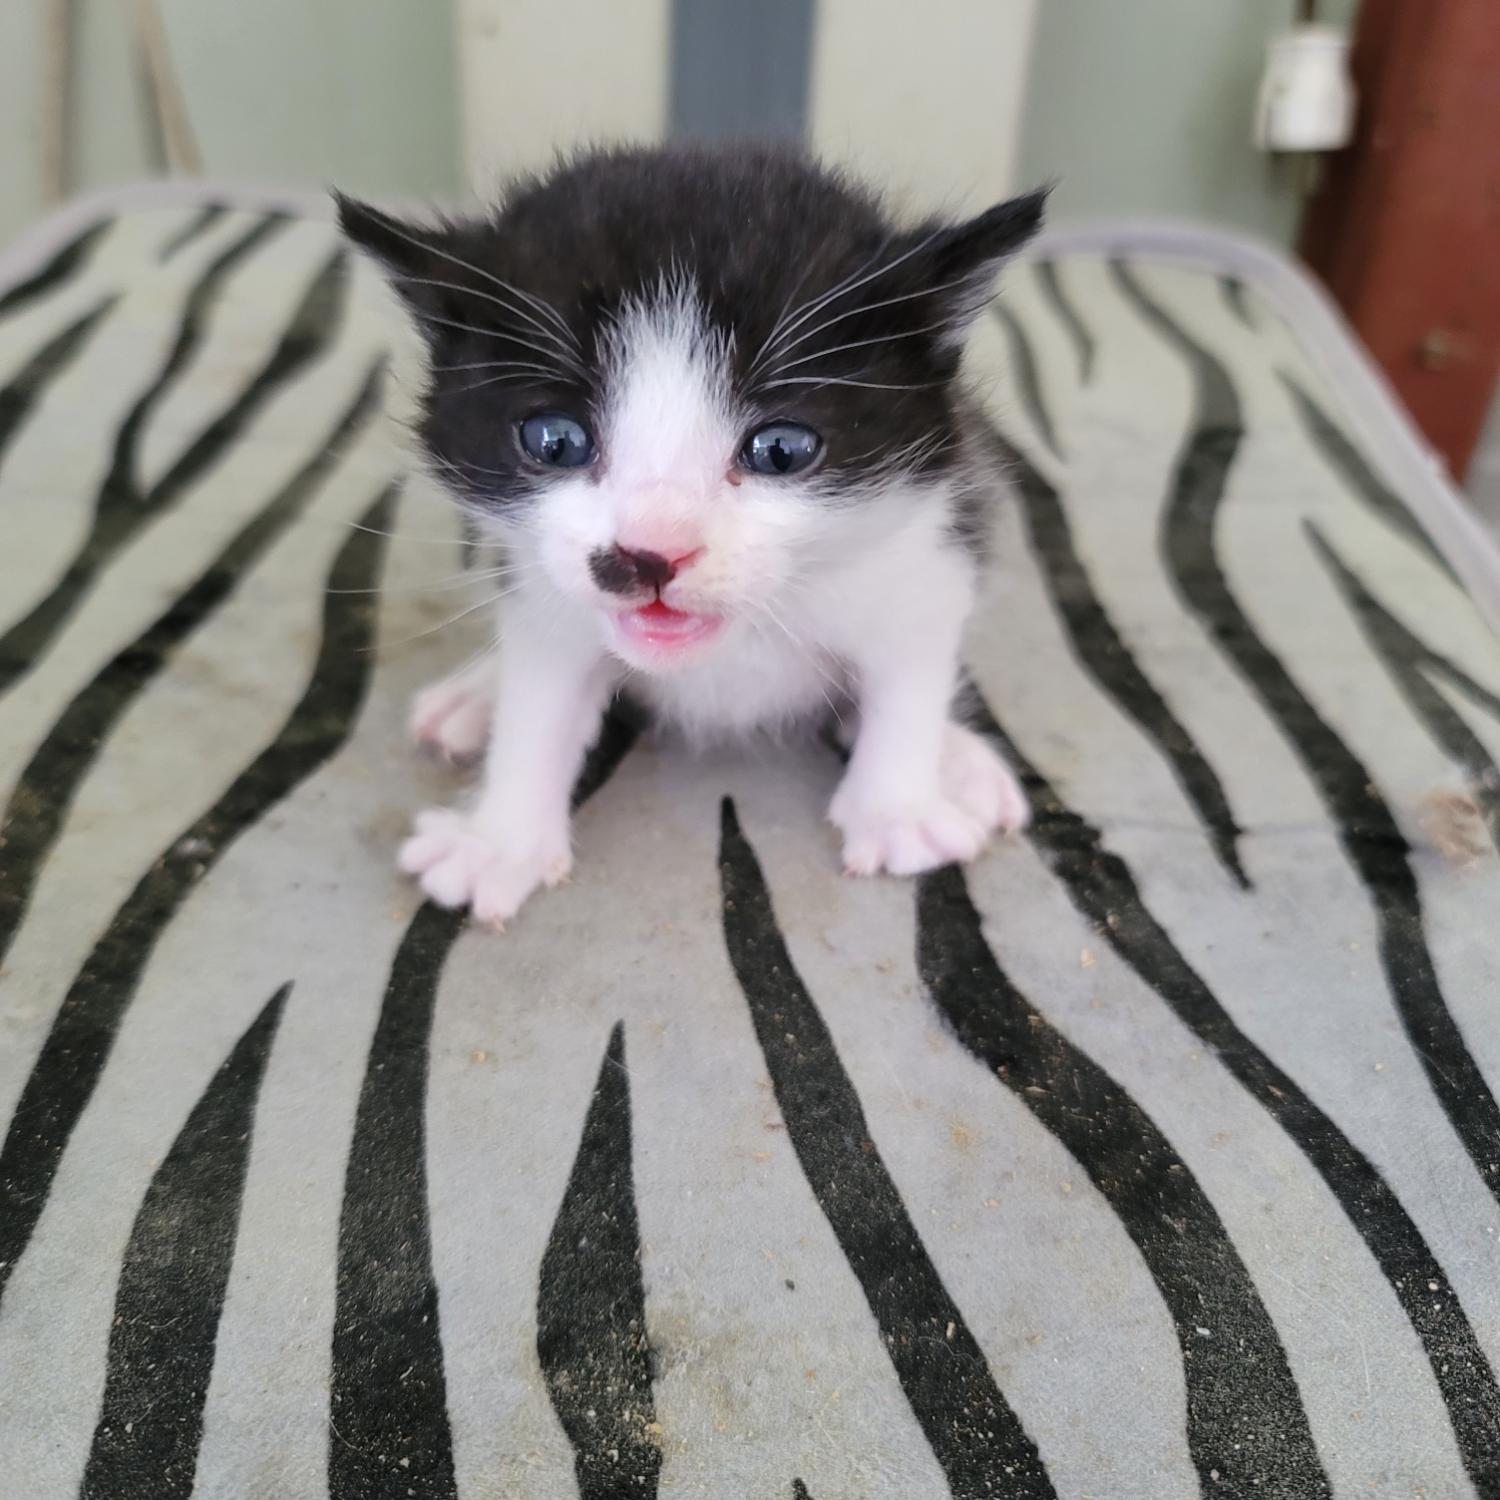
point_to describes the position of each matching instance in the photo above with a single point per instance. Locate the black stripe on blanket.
(388, 1377)
(88, 1020)
(1411, 663)
(1346, 460)
(388, 1414)
(977, 1439)
(39, 803)
(199, 224)
(1246, 1427)
(27, 386)
(172, 1283)
(1050, 279)
(1101, 886)
(1104, 654)
(59, 269)
(591, 1339)
(122, 505)
(1367, 830)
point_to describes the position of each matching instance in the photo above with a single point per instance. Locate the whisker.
(845, 287)
(477, 364)
(884, 338)
(468, 463)
(868, 385)
(518, 371)
(441, 586)
(802, 648)
(463, 614)
(854, 312)
(908, 455)
(540, 304)
(786, 307)
(569, 348)
(813, 304)
(484, 333)
(402, 536)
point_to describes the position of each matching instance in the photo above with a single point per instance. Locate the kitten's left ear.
(962, 261)
(410, 254)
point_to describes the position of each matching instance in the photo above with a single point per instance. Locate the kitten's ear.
(411, 255)
(962, 261)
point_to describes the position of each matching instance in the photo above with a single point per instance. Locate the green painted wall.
(1144, 107)
(286, 93)
(1135, 106)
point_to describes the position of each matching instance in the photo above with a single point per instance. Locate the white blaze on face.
(667, 479)
(670, 428)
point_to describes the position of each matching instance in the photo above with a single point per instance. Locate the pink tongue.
(656, 610)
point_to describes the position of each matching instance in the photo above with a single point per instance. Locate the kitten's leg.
(453, 716)
(551, 689)
(920, 791)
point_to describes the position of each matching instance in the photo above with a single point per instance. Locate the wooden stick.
(171, 108)
(55, 105)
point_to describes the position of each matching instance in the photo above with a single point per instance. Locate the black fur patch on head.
(839, 318)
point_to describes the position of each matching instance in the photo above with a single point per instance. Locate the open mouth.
(662, 630)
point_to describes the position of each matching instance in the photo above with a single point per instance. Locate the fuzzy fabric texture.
(1155, 1154)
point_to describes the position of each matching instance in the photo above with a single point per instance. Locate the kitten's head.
(682, 383)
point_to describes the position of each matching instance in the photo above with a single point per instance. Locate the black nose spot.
(617, 571)
(651, 568)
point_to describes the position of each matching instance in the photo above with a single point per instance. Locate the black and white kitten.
(708, 403)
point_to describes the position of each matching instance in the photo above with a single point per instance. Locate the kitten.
(708, 404)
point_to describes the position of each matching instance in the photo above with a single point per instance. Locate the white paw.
(976, 796)
(458, 864)
(976, 778)
(453, 716)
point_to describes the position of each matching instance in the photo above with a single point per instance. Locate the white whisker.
(402, 536)
(518, 371)
(484, 333)
(865, 307)
(801, 647)
(477, 364)
(540, 304)
(463, 614)
(868, 385)
(884, 338)
(569, 349)
(843, 289)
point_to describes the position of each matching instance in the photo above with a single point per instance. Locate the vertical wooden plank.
(1406, 230)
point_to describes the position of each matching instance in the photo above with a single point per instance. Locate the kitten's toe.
(458, 864)
(503, 886)
(911, 840)
(980, 782)
(453, 717)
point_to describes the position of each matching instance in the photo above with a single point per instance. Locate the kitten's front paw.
(453, 716)
(907, 840)
(976, 796)
(458, 864)
(975, 777)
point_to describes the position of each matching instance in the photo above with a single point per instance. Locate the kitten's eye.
(557, 441)
(780, 448)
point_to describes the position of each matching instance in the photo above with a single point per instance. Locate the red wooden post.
(1406, 228)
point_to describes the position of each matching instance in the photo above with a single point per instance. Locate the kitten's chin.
(657, 638)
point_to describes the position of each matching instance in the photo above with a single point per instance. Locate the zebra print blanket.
(1156, 1155)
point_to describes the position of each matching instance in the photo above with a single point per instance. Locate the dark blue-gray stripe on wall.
(740, 70)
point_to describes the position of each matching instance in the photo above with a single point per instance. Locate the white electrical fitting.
(1306, 96)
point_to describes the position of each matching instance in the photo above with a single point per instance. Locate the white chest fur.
(756, 678)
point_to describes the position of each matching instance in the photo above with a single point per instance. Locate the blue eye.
(557, 441)
(780, 448)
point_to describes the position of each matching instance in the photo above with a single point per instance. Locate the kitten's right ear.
(406, 251)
